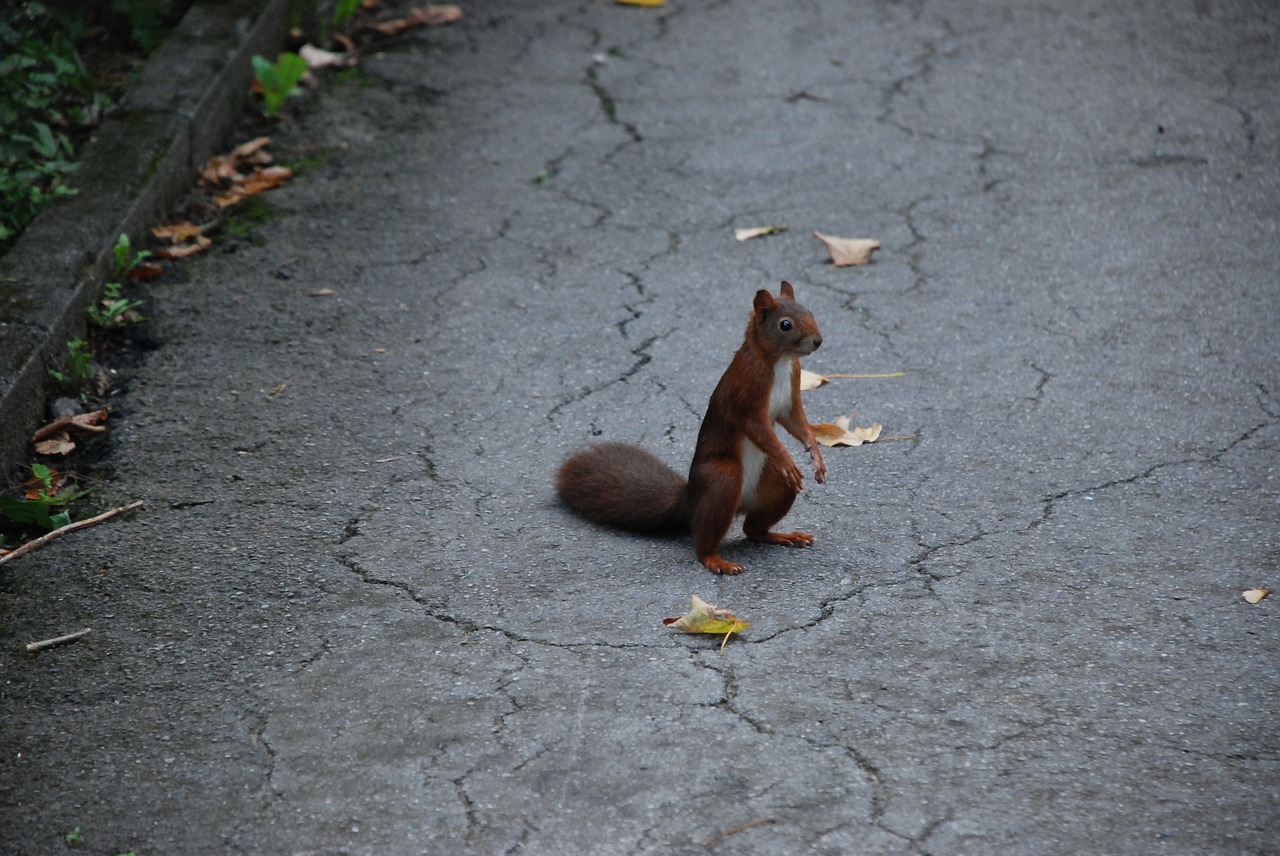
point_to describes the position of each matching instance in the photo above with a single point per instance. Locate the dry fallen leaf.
(84, 421)
(1255, 595)
(640, 2)
(848, 251)
(144, 271)
(812, 380)
(263, 178)
(244, 150)
(181, 251)
(705, 618)
(91, 421)
(59, 444)
(183, 230)
(277, 389)
(221, 168)
(840, 434)
(757, 232)
(426, 16)
(35, 486)
(320, 58)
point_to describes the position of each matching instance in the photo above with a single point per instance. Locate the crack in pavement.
(643, 358)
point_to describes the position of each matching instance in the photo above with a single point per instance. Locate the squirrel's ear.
(764, 301)
(787, 293)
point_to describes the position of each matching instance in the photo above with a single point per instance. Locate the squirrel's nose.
(817, 341)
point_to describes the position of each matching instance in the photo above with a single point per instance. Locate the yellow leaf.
(839, 434)
(1255, 595)
(848, 251)
(757, 232)
(705, 618)
(811, 380)
(640, 2)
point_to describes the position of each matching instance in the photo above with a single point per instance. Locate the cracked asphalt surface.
(354, 620)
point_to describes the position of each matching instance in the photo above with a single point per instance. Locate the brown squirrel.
(739, 466)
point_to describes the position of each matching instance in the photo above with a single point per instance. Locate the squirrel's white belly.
(753, 459)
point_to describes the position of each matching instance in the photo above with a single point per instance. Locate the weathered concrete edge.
(135, 168)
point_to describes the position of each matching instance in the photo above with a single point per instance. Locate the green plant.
(113, 310)
(44, 89)
(279, 80)
(74, 838)
(343, 10)
(126, 259)
(43, 504)
(79, 365)
(146, 20)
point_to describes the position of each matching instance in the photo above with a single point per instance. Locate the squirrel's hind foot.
(717, 565)
(785, 539)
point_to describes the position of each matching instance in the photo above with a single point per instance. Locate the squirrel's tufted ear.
(787, 293)
(764, 301)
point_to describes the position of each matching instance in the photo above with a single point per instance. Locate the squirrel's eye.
(785, 325)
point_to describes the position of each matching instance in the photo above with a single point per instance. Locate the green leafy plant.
(79, 365)
(74, 838)
(125, 257)
(278, 80)
(343, 10)
(44, 89)
(113, 310)
(146, 19)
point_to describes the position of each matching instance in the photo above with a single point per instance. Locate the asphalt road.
(353, 618)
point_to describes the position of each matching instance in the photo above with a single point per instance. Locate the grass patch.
(247, 215)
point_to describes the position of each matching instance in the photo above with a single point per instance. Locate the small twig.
(57, 640)
(742, 827)
(70, 527)
(867, 376)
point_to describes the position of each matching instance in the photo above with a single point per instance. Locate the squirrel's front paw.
(792, 476)
(819, 466)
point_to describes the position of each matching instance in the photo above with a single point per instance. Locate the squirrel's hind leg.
(718, 486)
(773, 500)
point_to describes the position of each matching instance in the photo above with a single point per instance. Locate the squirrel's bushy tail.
(620, 485)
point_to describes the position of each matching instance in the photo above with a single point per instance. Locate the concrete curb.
(140, 160)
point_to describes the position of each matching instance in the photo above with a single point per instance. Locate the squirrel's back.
(623, 486)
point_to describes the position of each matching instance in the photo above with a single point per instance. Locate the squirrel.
(739, 465)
